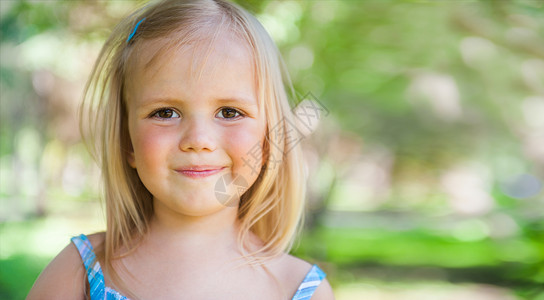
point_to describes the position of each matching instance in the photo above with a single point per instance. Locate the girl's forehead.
(154, 55)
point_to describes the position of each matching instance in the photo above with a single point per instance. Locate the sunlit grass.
(415, 247)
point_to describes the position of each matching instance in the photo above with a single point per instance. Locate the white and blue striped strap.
(94, 272)
(309, 284)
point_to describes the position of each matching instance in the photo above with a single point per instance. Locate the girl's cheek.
(245, 146)
(150, 142)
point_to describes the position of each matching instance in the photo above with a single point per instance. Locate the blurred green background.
(426, 175)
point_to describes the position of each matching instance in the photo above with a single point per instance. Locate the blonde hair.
(272, 207)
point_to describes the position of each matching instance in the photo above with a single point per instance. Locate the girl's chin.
(197, 205)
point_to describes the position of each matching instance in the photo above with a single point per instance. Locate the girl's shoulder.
(292, 271)
(65, 276)
(97, 239)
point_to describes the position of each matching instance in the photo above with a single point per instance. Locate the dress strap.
(309, 284)
(94, 272)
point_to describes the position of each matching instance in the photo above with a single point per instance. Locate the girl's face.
(195, 125)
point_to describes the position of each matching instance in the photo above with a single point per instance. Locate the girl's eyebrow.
(241, 100)
(159, 100)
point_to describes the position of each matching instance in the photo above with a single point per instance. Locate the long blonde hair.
(272, 207)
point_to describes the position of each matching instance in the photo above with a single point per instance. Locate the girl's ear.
(129, 151)
(130, 158)
(126, 142)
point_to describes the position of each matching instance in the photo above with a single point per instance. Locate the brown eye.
(228, 113)
(166, 113)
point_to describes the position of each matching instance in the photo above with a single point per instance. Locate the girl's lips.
(199, 171)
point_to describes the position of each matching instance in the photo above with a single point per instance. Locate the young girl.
(189, 120)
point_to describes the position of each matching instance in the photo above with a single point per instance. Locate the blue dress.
(99, 290)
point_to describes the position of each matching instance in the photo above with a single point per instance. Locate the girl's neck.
(194, 234)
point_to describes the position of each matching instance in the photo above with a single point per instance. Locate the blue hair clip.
(134, 30)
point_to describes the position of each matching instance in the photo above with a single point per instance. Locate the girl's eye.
(228, 113)
(165, 113)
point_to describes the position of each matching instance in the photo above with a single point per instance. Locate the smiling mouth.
(199, 171)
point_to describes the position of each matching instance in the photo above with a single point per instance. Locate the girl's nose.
(197, 135)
